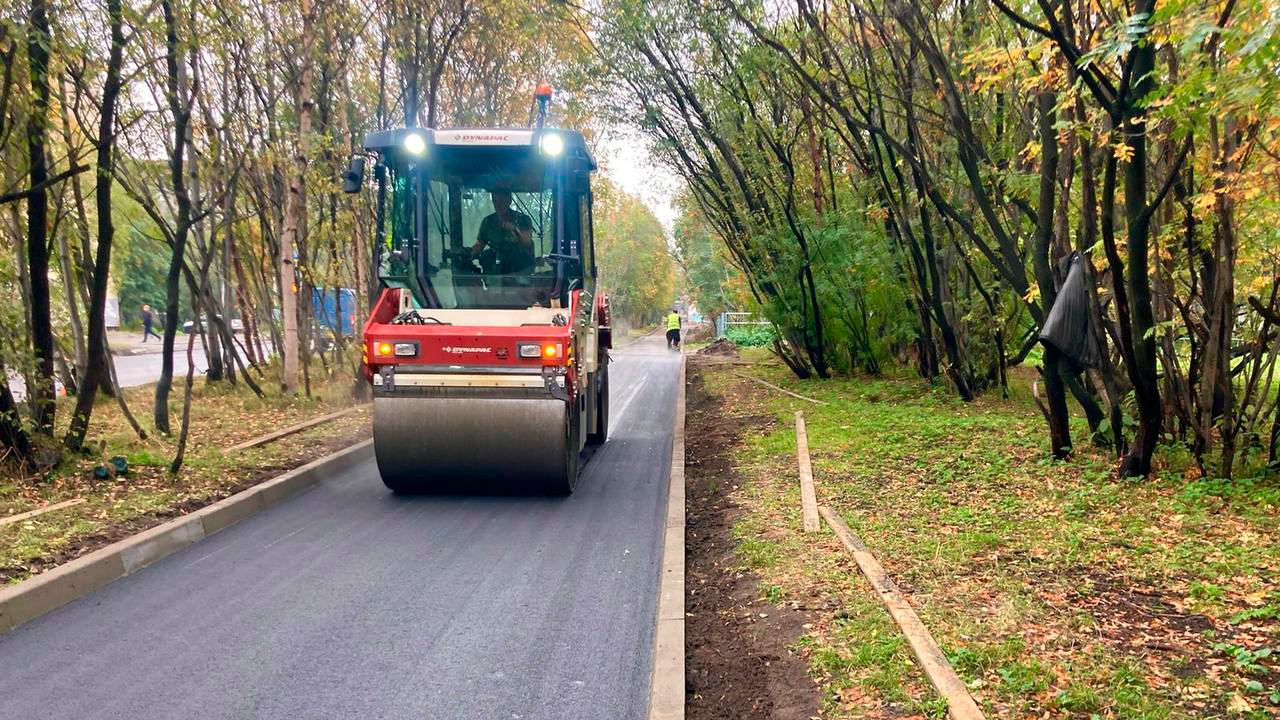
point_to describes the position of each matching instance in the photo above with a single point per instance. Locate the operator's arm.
(482, 237)
(524, 229)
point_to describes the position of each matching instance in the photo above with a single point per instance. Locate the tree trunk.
(176, 465)
(293, 217)
(182, 228)
(41, 390)
(105, 176)
(1058, 416)
(1137, 463)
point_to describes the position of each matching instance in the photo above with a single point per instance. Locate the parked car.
(236, 325)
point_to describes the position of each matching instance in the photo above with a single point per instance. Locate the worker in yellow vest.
(673, 329)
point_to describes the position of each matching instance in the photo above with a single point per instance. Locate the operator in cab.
(509, 233)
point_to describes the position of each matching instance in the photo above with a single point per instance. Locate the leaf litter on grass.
(1057, 589)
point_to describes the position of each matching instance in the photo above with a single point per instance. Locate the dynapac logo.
(459, 350)
(483, 137)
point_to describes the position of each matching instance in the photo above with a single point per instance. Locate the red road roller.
(487, 345)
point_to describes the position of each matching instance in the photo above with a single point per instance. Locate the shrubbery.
(751, 335)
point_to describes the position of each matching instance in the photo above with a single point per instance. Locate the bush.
(751, 335)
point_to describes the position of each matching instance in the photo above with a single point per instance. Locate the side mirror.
(353, 176)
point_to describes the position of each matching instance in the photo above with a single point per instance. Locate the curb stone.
(666, 687)
(31, 598)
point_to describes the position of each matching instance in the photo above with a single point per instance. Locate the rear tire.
(601, 433)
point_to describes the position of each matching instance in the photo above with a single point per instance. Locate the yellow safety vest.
(673, 321)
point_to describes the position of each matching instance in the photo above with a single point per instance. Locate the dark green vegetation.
(1053, 587)
(903, 183)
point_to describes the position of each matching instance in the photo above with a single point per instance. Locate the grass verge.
(116, 507)
(1055, 589)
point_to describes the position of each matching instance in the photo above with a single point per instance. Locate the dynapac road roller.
(488, 343)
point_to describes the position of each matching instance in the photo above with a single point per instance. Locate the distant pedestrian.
(148, 320)
(673, 329)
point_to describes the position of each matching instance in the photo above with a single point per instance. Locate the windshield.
(499, 228)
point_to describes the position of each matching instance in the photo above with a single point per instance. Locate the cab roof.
(392, 139)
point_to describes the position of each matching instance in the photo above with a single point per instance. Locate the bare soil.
(720, 348)
(739, 661)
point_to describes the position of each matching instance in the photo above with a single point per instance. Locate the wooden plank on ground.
(272, 437)
(808, 496)
(779, 389)
(39, 511)
(960, 705)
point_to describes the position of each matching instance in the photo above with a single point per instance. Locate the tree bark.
(105, 176)
(41, 390)
(293, 218)
(1137, 463)
(181, 114)
(1057, 415)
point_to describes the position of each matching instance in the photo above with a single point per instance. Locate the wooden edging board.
(272, 437)
(31, 598)
(666, 684)
(40, 511)
(808, 496)
(780, 389)
(960, 705)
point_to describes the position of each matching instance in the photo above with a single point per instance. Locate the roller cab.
(487, 343)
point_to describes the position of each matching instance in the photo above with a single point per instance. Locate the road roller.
(487, 345)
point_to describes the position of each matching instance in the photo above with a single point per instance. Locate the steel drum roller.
(426, 444)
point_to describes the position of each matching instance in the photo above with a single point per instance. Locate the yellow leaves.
(1258, 285)
(1238, 705)
(1030, 152)
(1122, 152)
(1203, 203)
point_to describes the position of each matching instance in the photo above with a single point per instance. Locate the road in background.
(143, 366)
(349, 601)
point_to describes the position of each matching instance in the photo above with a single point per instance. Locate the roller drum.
(472, 444)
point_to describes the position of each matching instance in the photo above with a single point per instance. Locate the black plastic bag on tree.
(1068, 327)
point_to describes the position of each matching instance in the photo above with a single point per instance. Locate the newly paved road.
(350, 602)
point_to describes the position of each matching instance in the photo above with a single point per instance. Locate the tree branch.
(24, 194)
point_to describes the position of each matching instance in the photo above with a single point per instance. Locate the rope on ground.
(272, 437)
(808, 496)
(960, 705)
(781, 390)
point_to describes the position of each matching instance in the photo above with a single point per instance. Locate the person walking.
(673, 329)
(148, 321)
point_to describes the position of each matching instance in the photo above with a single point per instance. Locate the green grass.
(1016, 562)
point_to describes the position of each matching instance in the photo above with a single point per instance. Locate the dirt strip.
(738, 648)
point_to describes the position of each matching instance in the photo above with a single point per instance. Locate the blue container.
(335, 310)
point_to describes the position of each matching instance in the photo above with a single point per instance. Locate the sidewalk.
(123, 342)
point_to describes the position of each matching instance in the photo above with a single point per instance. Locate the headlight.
(552, 144)
(415, 144)
(533, 350)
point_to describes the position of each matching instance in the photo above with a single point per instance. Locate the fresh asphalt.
(350, 602)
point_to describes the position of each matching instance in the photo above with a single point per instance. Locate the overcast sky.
(624, 158)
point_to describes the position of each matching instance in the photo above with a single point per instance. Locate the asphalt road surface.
(350, 602)
(133, 370)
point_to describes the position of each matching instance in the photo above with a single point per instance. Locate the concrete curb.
(666, 686)
(32, 598)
